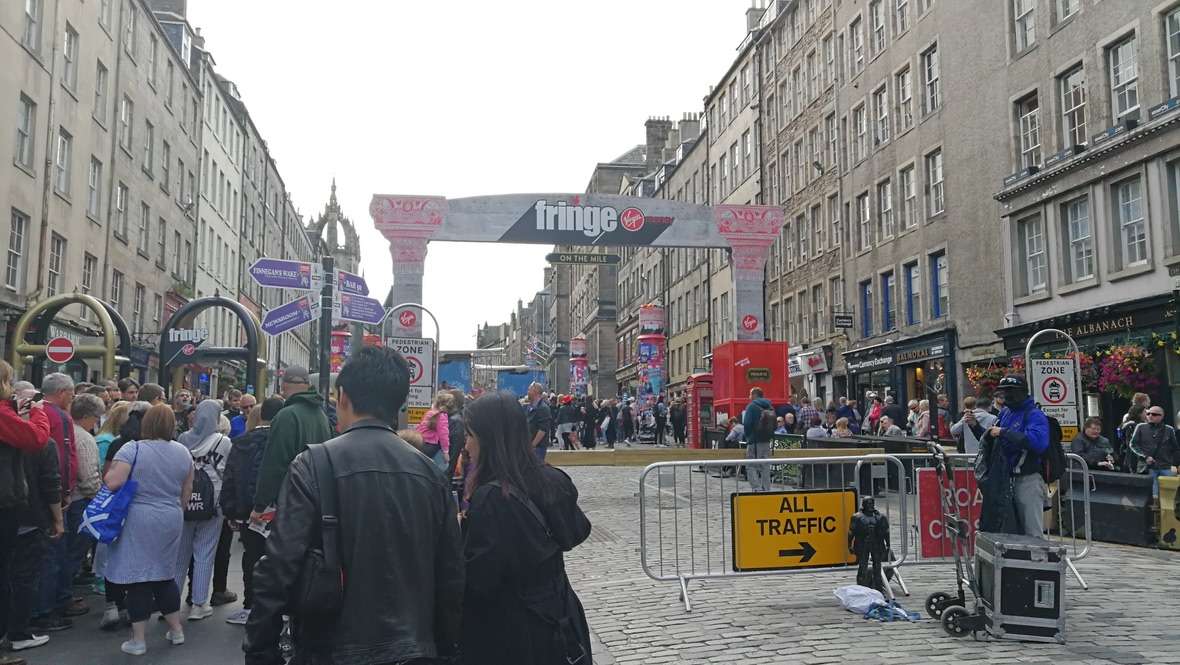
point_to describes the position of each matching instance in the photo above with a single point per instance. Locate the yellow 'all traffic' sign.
(800, 529)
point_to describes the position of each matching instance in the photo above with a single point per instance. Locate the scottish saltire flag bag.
(107, 511)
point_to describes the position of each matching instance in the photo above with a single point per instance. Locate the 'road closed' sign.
(801, 529)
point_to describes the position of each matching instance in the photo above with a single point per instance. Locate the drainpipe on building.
(43, 234)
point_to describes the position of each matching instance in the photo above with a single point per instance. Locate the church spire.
(332, 201)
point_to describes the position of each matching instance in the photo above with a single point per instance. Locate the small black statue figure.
(868, 535)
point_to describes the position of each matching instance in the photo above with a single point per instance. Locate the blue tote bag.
(107, 511)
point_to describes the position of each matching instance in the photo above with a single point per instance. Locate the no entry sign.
(59, 350)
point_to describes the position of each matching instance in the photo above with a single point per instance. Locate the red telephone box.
(700, 409)
(740, 366)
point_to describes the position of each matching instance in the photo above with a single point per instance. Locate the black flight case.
(1021, 586)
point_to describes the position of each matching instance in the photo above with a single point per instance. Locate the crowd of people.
(572, 422)
(428, 573)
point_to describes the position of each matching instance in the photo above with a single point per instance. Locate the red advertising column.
(651, 352)
(339, 349)
(579, 366)
(750, 231)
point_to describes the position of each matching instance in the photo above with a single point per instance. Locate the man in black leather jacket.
(399, 540)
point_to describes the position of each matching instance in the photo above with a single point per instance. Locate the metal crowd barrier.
(685, 524)
(685, 521)
(917, 488)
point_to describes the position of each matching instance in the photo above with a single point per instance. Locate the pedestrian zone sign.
(798, 529)
(419, 353)
(1055, 389)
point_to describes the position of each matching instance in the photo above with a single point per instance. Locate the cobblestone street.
(796, 619)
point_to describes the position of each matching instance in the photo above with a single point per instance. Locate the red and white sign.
(1053, 390)
(59, 350)
(935, 542)
(750, 322)
(632, 219)
(407, 318)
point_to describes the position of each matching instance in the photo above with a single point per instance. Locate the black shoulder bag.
(565, 633)
(319, 592)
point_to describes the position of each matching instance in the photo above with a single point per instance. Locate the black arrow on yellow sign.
(805, 552)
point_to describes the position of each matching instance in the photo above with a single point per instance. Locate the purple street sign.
(283, 274)
(288, 317)
(361, 308)
(350, 283)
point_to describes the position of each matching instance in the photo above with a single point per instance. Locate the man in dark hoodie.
(300, 423)
(758, 434)
(1023, 433)
(237, 496)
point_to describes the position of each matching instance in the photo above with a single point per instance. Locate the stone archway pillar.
(408, 222)
(750, 231)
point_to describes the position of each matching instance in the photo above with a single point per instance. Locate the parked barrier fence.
(688, 511)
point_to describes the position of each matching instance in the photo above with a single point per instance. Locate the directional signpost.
(284, 274)
(347, 282)
(353, 303)
(290, 316)
(800, 529)
(362, 309)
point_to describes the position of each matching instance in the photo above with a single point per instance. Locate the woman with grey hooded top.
(209, 449)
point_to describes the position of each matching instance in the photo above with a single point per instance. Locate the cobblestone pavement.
(1126, 617)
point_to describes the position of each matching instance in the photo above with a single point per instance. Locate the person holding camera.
(971, 426)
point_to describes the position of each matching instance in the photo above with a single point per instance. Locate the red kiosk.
(737, 367)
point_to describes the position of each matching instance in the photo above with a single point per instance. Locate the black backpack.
(200, 505)
(766, 424)
(1054, 463)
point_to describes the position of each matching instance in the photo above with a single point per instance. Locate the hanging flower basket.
(983, 379)
(1127, 369)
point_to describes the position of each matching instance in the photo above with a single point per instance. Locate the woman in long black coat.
(519, 607)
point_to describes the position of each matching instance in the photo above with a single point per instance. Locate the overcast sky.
(461, 98)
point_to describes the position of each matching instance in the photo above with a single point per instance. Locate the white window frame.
(935, 183)
(856, 45)
(26, 130)
(1123, 69)
(1079, 238)
(1030, 232)
(18, 226)
(31, 38)
(62, 162)
(1131, 222)
(885, 223)
(901, 14)
(1172, 39)
(1024, 23)
(880, 99)
(94, 189)
(907, 192)
(122, 194)
(931, 77)
(903, 84)
(126, 123)
(1073, 106)
(69, 54)
(55, 278)
(1028, 116)
(864, 220)
(860, 123)
(877, 25)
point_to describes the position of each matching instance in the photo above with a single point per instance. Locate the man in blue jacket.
(1023, 433)
(758, 438)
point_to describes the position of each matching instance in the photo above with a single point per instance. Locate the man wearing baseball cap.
(1023, 434)
(300, 423)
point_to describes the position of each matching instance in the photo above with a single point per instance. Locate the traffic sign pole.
(1034, 382)
(326, 297)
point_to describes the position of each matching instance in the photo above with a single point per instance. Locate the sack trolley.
(951, 608)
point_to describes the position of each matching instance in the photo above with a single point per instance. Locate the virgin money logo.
(407, 319)
(632, 219)
(750, 322)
